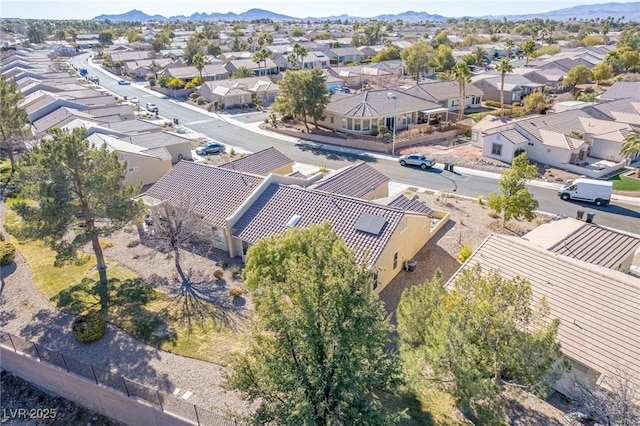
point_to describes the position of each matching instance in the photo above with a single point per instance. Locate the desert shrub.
(224, 264)
(235, 271)
(107, 243)
(232, 151)
(479, 199)
(236, 291)
(7, 253)
(88, 328)
(132, 244)
(465, 253)
(218, 274)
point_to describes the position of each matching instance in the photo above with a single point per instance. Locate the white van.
(591, 190)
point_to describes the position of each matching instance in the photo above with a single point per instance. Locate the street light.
(391, 95)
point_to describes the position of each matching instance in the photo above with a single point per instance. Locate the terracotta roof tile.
(270, 213)
(356, 181)
(259, 163)
(212, 192)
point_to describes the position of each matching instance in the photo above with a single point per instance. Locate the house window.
(395, 260)
(496, 149)
(356, 125)
(474, 136)
(365, 125)
(332, 119)
(375, 280)
(350, 123)
(344, 123)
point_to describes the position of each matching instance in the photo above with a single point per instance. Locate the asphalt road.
(621, 216)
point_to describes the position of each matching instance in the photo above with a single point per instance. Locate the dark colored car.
(210, 148)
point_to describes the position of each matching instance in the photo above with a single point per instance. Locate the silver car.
(416, 160)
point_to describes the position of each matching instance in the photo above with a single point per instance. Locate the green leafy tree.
(630, 59)
(417, 58)
(303, 94)
(243, 72)
(536, 102)
(297, 32)
(514, 200)
(504, 68)
(630, 37)
(80, 196)
(387, 54)
(462, 75)
(132, 35)
(614, 58)
(528, 48)
(36, 34)
(163, 80)
(318, 353)
(444, 60)
(60, 34)
(577, 75)
(13, 120)
(195, 44)
(105, 37)
(601, 72)
(160, 41)
(441, 38)
(175, 83)
(468, 340)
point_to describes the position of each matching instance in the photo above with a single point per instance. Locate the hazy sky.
(87, 9)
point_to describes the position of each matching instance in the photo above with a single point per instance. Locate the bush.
(218, 274)
(236, 291)
(479, 199)
(232, 152)
(7, 253)
(235, 271)
(465, 253)
(89, 328)
(224, 264)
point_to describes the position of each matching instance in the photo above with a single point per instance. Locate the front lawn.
(625, 183)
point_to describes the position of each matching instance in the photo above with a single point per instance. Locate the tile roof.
(269, 215)
(567, 122)
(440, 91)
(598, 308)
(156, 140)
(259, 163)
(212, 193)
(514, 136)
(376, 103)
(356, 181)
(621, 90)
(410, 204)
(595, 244)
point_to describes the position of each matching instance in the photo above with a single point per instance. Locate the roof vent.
(370, 223)
(294, 220)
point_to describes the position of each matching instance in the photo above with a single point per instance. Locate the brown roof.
(409, 204)
(377, 103)
(439, 91)
(278, 204)
(356, 181)
(259, 163)
(212, 192)
(598, 308)
(595, 244)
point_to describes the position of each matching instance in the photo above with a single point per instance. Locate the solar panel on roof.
(370, 223)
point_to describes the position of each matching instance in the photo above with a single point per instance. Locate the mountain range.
(623, 11)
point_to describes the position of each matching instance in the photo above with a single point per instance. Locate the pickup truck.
(419, 160)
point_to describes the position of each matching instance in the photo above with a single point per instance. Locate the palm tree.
(154, 67)
(528, 48)
(509, 45)
(243, 72)
(261, 56)
(480, 55)
(631, 147)
(300, 52)
(462, 74)
(199, 61)
(504, 67)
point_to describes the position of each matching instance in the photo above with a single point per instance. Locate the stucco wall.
(145, 170)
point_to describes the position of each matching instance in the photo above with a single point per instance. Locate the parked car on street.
(151, 107)
(419, 160)
(124, 82)
(210, 148)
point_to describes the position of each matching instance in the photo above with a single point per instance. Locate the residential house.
(516, 87)
(597, 306)
(344, 55)
(184, 73)
(365, 112)
(141, 68)
(271, 67)
(621, 90)
(144, 165)
(315, 59)
(359, 181)
(238, 92)
(178, 147)
(447, 94)
(488, 125)
(561, 140)
(268, 160)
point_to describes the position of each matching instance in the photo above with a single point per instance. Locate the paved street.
(228, 128)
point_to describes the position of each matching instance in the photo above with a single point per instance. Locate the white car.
(151, 107)
(419, 160)
(134, 100)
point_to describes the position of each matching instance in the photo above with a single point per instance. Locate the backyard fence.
(167, 403)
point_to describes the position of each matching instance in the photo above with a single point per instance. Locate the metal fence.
(167, 403)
